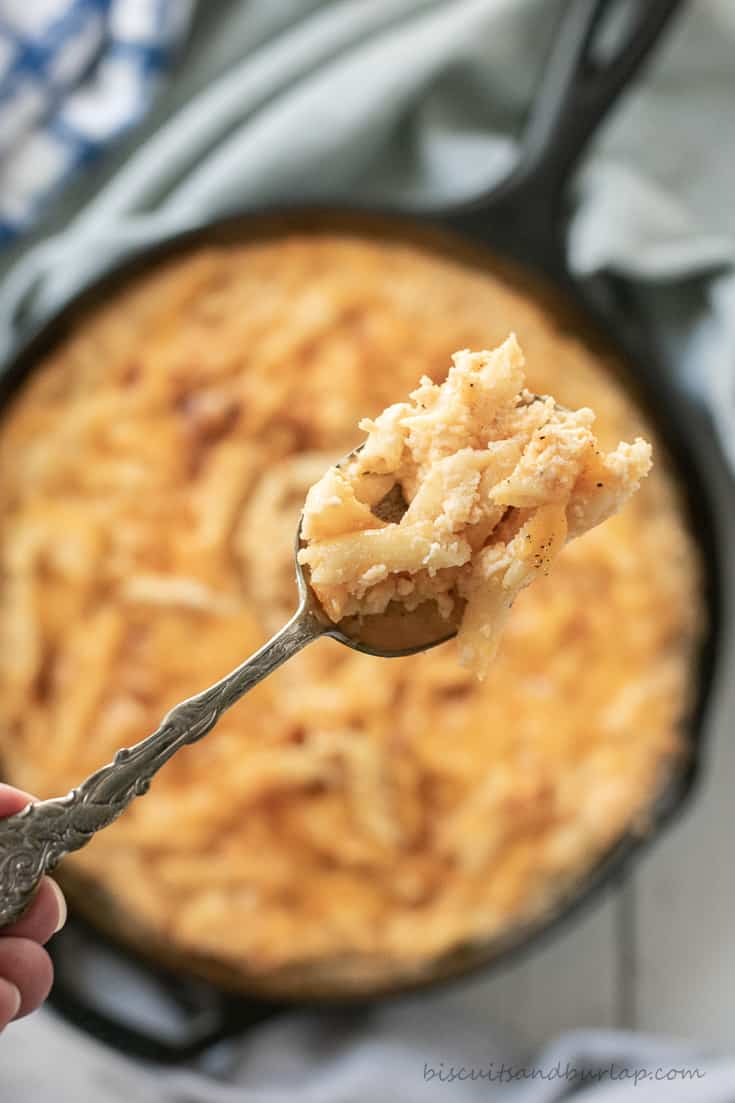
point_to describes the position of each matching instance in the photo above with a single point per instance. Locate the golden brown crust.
(349, 809)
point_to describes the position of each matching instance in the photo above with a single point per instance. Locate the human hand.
(26, 971)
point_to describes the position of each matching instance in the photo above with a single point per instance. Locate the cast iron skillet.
(522, 221)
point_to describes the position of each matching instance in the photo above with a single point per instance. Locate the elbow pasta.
(494, 481)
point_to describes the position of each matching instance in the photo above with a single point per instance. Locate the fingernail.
(16, 998)
(61, 901)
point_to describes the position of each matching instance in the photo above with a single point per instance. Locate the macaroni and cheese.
(493, 481)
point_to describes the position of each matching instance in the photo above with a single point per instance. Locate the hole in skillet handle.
(596, 51)
(142, 1012)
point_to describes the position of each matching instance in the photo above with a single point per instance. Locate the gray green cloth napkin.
(417, 101)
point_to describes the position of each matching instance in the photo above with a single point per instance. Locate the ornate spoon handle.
(34, 840)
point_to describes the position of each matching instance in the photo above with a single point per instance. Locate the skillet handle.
(577, 90)
(142, 1011)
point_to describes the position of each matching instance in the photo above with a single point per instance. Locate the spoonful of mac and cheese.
(458, 499)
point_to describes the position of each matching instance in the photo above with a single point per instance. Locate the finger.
(46, 915)
(26, 965)
(12, 800)
(9, 1002)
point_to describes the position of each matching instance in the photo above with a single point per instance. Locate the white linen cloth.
(417, 101)
(395, 1054)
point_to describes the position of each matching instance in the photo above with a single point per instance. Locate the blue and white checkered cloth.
(74, 74)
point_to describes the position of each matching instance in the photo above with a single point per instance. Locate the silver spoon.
(33, 841)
